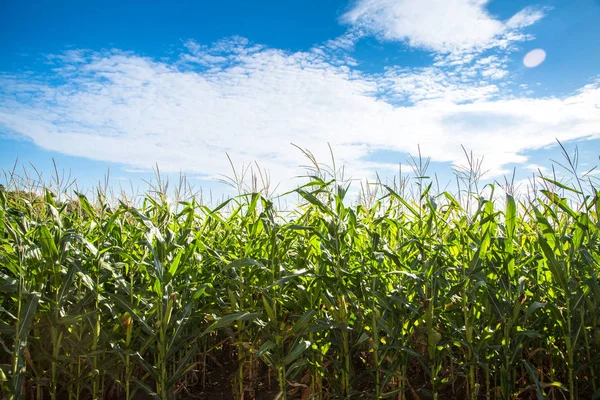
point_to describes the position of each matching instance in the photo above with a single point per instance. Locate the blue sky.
(181, 84)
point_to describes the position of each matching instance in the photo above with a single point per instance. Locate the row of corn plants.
(417, 294)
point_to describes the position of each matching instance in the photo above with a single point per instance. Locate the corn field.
(416, 294)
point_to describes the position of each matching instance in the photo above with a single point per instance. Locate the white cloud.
(536, 168)
(252, 102)
(534, 58)
(440, 25)
(526, 17)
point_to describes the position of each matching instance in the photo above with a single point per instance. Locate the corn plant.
(411, 292)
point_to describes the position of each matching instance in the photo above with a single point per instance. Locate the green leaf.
(534, 306)
(296, 352)
(268, 309)
(511, 217)
(296, 367)
(124, 304)
(555, 267)
(302, 322)
(560, 185)
(401, 200)
(560, 202)
(146, 388)
(66, 283)
(85, 204)
(175, 264)
(530, 369)
(312, 199)
(8, 284)
(244, 262)
(266, 347)
(25, 318)
(184, 366)
(282, 281)
(83, 240)
(48, 246)
(230, 319)
(180, 325)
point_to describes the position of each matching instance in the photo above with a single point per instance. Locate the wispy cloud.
(440, 25)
